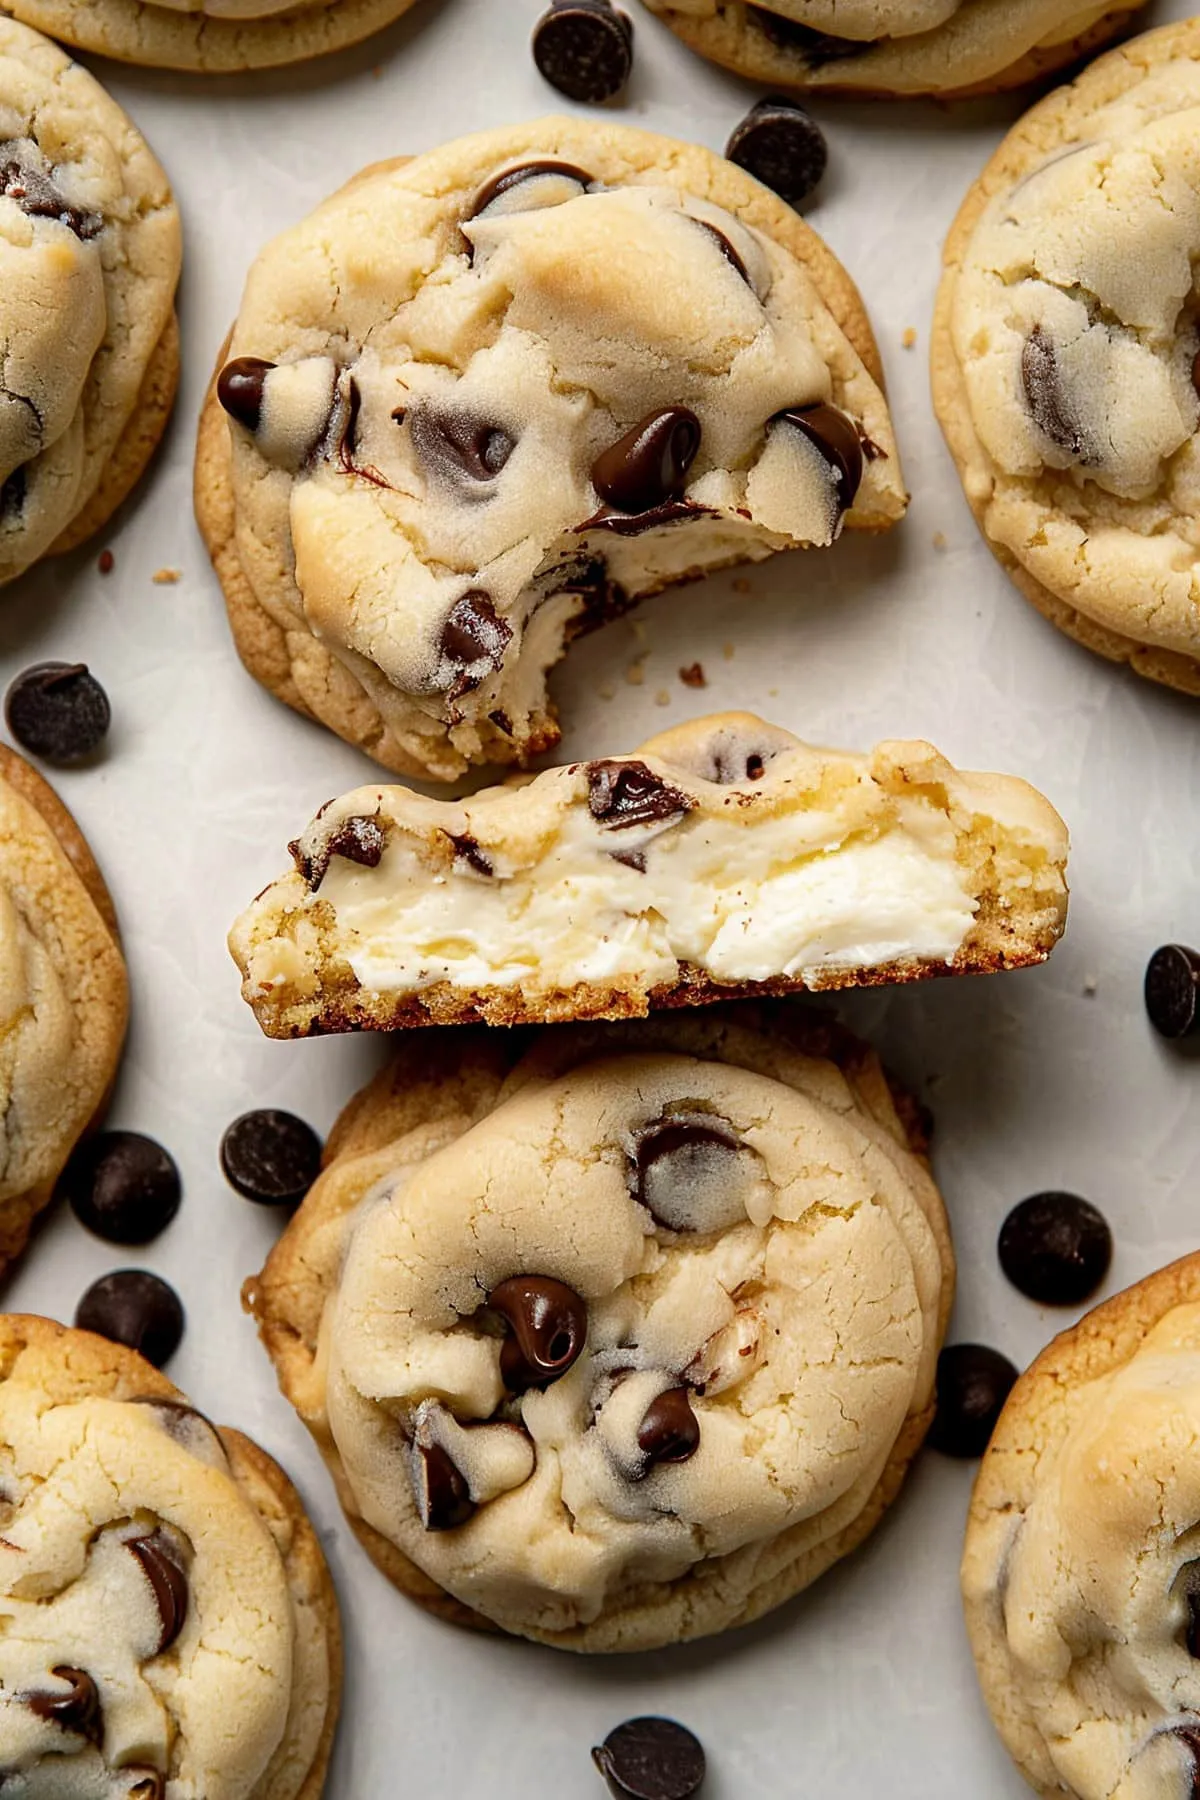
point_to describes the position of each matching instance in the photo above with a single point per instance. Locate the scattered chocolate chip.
(456, 447)
(122, 1186)
(584, 48)
(443, 1497)
(649, 465)
(622, 794)
(674, 1161)
(726, 248)
(1048, 406)
(1055, 1248)
(693, 676)
(670, 1430)
(508, 179)
(357, 839)
(39, 198)
(134, 1308)
(58, 711)
(271, 1157)
(973, 1383)
(240, 389)
(467, 850)
(107, 562)
(1172, 991)
(168, 1581)
(782, 146)
(548, 1325)
(474, 634)
(77, 1710)
(835, 435)
(651, 1759)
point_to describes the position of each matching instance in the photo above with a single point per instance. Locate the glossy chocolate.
(627, 793)
(169, 1582)
(649, 465)
(836, 436)
(669, 1431)
(240, 388)
(547, 1330)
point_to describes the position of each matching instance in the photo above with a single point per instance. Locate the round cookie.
(210, 37)
(950, 48)
(63, 995)
(169, 1628)
(485, 399)
(615, 1337)
(1080, 1578)
(1065, 370)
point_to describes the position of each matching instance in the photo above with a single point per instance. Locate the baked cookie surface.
(894, 46)
(168, 1629)
(89, 255)
(1065, 366)
(63, 995)
(487, 398)
(723, 857)
(662, 1312)
(1080, 1577)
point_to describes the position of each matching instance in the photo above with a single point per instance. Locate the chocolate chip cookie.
(63, 995)
(1080, 1575)
(724, 857)
(895, 46)
(484, 400)
(623, 1340)
(89, 261)
(1065, 365)
(169, 1625)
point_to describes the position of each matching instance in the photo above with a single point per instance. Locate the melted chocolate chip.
(670, 1430)
(134, 1308)
(122, 1186)
(271, 1157)
(649, 465)
(457, 447)
(622, 794)
(358, 840)
(473, 634)
(584, 48)
(167, 1579)
(240, 388)
(1055, 1248)
(835, 435)
(77, 1710)
(1172, 991)
(651, 1759)
(467, 850)
(511, 178)
(669, 1162)
(548, 1325)
(973, 1382)
(634, 524)
(443, 1497)
(782, 146)
(39, 198)
(1048, 405)
(58, 711)
(726, 248)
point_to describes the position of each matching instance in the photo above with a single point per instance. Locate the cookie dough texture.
(411, 522)
(165, 1572)
(797, 1296)
(1080, 1576)
(89, 261)
(894, 46)
(1065, 355)
(723, 857)
(63, 995)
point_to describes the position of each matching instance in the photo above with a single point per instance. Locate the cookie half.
(894, 47)
(623, 1340)
(723, 858)
(89, 260)
(169, 1622)
(1080, 1573)
(63, 995)
(1066, 372)
(485, 399)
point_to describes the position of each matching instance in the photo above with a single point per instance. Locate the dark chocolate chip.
(973, 1383)
(13, 492)
(634, 524)
(670, 1430)
(679, 1146)
(755, 767)
(1048, 406)
(730, 765)
(455, 447)
(122, 1186)
(169, 1582)
(39, 198)
(467, 850)
(358, 840)
(651, 1759)
(443, 1497)
(1172, 991)
(584, 48)
(134, 1308)
(271, 1157)
(649, 465)
(511, 178)
(836, 436)
(548, 1326)
(622, 794)
(58, 711)
(630, 859)
(1055, 1248)
(474, 634)
(782, 146)
(818, 48)
(1192, 1628)
(726, 248)
(240, 389)
(77, 1710)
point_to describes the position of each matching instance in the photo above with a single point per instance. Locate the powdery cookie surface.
(168, 1629)
(624, 1343)
(89, 261)
(1065, 355)
(430, 484)
(894, 46)
(723, 857)
(1080, 1577)
(63, 995)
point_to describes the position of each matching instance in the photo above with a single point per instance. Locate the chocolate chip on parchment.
(1055, 1248)
(548, 1326)
(240, 388)
(669, 1431)
(649, 465)
(271, 1157)
(781, 145)
(835, 435)
(627, 793)
(973, 1382)
(76, 1710)
(122, 1186)
(58, 711)
(651, 1759)
(1172, 991)
(134, 1308)
(169, 1582)
(584, 48)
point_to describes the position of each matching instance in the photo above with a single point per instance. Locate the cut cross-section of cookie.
(723, 858)
(483, 400)
(597, 1424)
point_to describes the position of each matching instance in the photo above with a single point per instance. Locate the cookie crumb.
(741, 585)
(635, 674)
(607, 691)
(693, 676)
(166, 577)
(638, 629)
(727, 651)
(909, 337)
(939, 540)
(662, 698)
(107, 562)
(1090, 984)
